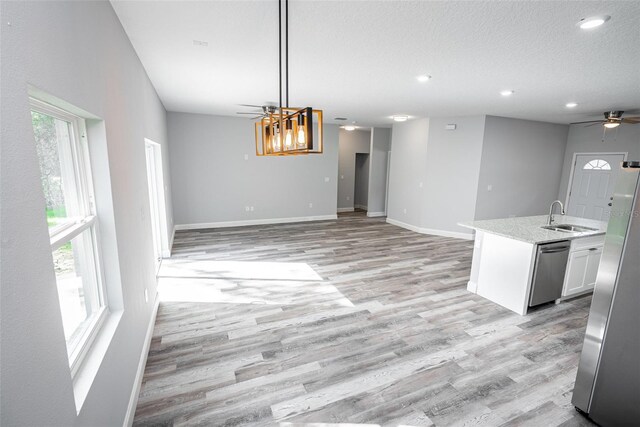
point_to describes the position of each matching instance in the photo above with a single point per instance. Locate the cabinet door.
(576, 272)
(593, 262)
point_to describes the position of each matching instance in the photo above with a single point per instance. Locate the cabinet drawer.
(587, 242)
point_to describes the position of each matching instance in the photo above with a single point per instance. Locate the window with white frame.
(63, 155)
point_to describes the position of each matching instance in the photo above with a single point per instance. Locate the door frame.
(160, 194)
(573, 167)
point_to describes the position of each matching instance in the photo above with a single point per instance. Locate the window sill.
(87, 372)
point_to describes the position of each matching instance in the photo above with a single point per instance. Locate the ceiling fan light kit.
(612, 119)
(287, 131)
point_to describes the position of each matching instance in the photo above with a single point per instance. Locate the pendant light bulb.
(276, 140)
(302, 135)
(288, 139)
(288, 135)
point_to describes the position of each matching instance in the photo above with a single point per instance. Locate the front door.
(594, 178)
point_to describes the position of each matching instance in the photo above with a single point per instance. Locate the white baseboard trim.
(443, 233)
(346, 210)
(363, 207)
(472, 287)
(374, 214)
(226, 224)
(133, 399)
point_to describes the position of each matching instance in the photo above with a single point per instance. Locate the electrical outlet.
(326, 179)
(348, 198)
(405, 210)
(146, 295)
(341, 176)
(489, 187)
(246, 208)
(310, 205)
(246, 157)
(251, 208)
(420, 185)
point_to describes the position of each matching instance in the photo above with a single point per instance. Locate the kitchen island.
(506, 250)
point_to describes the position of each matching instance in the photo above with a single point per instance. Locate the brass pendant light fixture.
(286, 130)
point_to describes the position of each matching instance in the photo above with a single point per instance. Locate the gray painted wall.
(216, 174)
(522, 161)
(76, 51)
(361, 192)
(408, 171)
(351, 142)
(452, 171)
(584, 139)
(378, 159)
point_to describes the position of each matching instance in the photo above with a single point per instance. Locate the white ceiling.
(360, 59)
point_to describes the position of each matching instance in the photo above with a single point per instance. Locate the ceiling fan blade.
(252, 113)
(631, 120)
(588, 121)
(250, 105)
(592, 124)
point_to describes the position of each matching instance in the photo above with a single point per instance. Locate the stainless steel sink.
(568, 228)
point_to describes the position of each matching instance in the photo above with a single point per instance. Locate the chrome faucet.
(551, 211)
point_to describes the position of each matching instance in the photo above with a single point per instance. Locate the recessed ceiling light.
(506, 92)
(400, 118)
(593, 22)
(423, 78)
(571, 105)
(349, 127)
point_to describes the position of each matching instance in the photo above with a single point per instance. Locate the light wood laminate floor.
(348, 321)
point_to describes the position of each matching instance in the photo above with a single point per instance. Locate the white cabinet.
(582, 267)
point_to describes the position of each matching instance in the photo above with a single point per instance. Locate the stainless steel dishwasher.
(548, 275)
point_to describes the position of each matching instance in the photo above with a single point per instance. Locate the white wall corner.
(226, 224)
(135, 392)
(167, 253)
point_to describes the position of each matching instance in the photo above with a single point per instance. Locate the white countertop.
(528, 229)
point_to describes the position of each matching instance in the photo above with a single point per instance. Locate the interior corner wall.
(350, 143)
(378, 164)
(452, 173)
(589, 139)
(408, 172)
(521, 167)
(217, 177)
(78, 52)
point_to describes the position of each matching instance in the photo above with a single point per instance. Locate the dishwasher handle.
(554, 250)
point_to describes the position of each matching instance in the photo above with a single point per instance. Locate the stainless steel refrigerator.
(608, 381)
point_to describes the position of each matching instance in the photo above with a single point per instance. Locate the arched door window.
(597, 164)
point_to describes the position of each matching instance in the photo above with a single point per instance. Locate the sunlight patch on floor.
(245, 282)
(238, 270)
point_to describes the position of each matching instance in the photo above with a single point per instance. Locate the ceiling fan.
(612, 119)
(266, 110)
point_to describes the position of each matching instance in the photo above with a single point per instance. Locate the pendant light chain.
(286, 51)
(280, 52)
